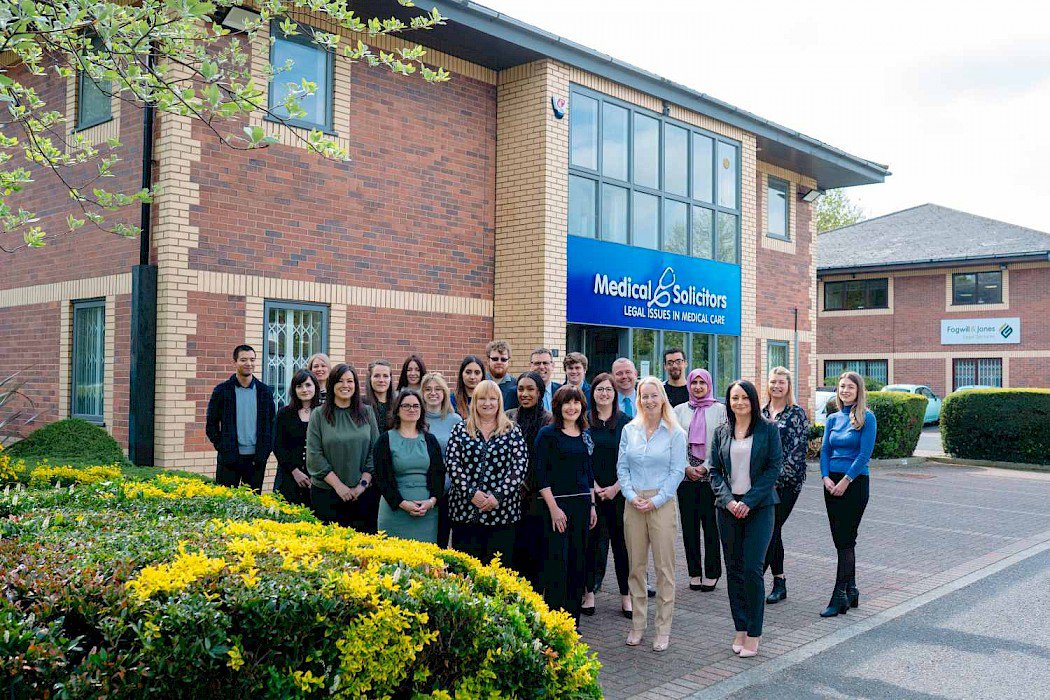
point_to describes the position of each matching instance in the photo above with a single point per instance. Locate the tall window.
(986, 371)
(777, 354)
(293, 333)
(777, 208)
(94, 104)
(641, 179)
(977, 288)
(309, 62)
(853, 295)
(870, 369)
(89, 360)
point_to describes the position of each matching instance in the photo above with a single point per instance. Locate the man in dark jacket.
(240, 424)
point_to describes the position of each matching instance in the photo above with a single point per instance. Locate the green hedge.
(900, 419)
(69, 440)
(1003, 425)
(180, 588)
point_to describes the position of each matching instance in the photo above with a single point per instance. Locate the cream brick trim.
(974, 308)
(791, 176)
(771, 333)
(94, 135)
(654, 104)
(337, 331)
(772, 242)
(748, 256)
(821, 313)
(254, 286)
(65, 291)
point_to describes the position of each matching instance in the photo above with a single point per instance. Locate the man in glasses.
(675, 369)
(497, 363)
(541, 361)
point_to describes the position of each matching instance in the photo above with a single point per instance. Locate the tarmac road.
(988, 640)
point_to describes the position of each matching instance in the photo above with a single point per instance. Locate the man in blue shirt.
(542, 362)
(240, 423)
(625, 377)
(497, 364)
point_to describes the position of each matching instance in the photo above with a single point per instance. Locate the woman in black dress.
(289, 440)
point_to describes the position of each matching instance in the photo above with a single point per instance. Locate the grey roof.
(924, 235)
(489, 38)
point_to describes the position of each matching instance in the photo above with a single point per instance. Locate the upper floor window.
(777, 208)
(854, 295)
(296, 58)
(638, 178)
(977, 288)
(94, 103)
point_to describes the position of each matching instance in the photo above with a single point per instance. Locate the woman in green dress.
(410, 472)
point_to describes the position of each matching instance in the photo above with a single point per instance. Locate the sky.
(953, 96)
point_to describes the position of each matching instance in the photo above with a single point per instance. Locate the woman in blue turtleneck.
(849, 437)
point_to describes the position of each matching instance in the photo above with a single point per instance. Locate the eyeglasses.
(603, 390)
(410, 407)
(542, 364)
(499, 359)
(675, 362)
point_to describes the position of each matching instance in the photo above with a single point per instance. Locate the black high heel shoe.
(839, 604)
(853, 594)
(707, 589)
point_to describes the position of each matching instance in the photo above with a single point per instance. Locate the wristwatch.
(364, 483)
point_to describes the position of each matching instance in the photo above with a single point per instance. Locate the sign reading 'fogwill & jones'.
(981, 331)
(616, 285)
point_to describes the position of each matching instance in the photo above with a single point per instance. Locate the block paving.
(924, 527)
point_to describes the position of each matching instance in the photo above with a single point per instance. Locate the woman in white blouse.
(650, 465)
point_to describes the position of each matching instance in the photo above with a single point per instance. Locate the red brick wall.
(926, 371)
(1030, 371)
(30, 345)
(413, 210)
(220, 328)
(88, 252)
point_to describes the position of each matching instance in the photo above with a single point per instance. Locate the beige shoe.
(661, 642)
(634, 637)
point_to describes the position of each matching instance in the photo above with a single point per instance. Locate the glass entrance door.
(601, 344)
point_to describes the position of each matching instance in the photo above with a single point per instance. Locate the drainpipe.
(141, 415)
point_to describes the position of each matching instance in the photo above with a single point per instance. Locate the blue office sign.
(617, 285)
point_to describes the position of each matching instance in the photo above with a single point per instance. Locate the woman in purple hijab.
(700, 416)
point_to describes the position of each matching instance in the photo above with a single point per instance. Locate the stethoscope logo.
(662, 295)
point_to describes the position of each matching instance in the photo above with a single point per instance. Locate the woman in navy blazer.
(745, 462)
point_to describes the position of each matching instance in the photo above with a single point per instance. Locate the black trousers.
(775, 553)
(844, 516)
(360, 515)
(483, 541)
(242, 472)
(565, 565)
(284, 484)
(444, 523)
(696, 505)
(744, 542)
(530, 546)
(608, 532)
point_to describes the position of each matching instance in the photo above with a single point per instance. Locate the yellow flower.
(44, 475)
(236, 660)
(175, 576)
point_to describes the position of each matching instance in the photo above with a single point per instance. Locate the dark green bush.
(1004, 425)
(70, 440)
(184, 589)
(900, 417)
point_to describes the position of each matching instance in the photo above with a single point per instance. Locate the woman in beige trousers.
(650, 466)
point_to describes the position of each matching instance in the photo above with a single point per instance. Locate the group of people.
(550, 477)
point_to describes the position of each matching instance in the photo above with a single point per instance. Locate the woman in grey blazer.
(745, 461)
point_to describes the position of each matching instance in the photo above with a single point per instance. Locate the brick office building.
(935, 296)
(448, 228)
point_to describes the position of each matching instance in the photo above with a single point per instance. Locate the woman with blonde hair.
(650, 466)
(319, 365)
(849, 438)
(793, 423)
(441, 419)
(487, 460)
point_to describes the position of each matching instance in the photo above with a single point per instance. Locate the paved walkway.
(925, 527)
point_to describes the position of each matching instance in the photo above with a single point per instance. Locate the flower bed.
(178, 588)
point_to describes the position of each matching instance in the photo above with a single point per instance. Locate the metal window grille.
(987, 371)
(872, 369)
(293, 333)
(777, 354)
(89, 360)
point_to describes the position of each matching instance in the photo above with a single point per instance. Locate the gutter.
(1005, 258)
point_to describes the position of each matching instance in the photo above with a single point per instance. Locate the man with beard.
(674, 367)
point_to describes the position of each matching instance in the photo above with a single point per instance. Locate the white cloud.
(953, 96)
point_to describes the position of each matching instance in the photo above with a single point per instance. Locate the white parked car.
(824, 394)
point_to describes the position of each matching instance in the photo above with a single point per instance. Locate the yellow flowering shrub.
(44, 475)
(195, 590)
